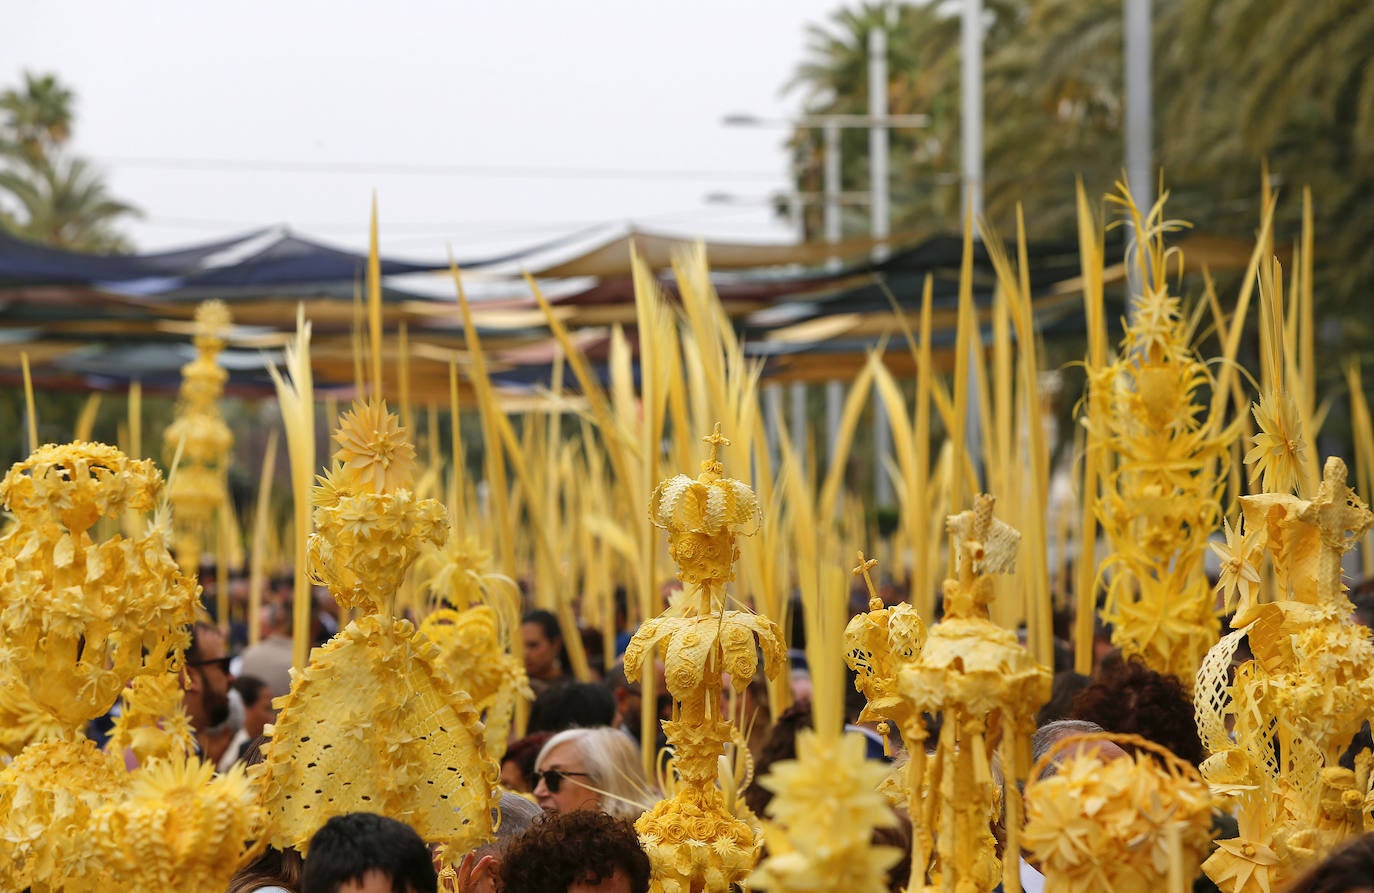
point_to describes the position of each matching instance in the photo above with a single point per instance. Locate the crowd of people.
(574, 783)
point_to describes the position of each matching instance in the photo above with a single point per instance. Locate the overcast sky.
(512, 117)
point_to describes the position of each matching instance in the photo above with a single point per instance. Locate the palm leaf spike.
(296, 396)
(458, 504)
(829, 778)
(374, 303)
(135, 423)
(403, 375)
(490, 415)
(85, 420)
(661, 394)
(914, 461)
(1018, 408)
(1096, 459)
(1362, 431)
(432, 441)
(355, 340)
(257, 564)
(29, 405)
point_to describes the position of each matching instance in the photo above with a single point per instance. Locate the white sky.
(611, 85)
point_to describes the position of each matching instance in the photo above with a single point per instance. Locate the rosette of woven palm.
(178, 826)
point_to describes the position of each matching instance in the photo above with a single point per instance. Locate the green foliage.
(47, 194)
(1236, 82)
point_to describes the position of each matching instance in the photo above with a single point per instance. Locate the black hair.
(249, 688)
(546, 621)
(581, 704)
(349, 846)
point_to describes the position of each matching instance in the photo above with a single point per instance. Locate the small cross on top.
(716, 441)
(865, 565)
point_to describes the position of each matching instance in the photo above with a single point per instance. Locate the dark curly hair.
(1129, 697)
(575, 847)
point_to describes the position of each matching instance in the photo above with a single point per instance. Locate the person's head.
(207, 678)
(274, 867)
(362, 852)
(276, 613)
(629, 697)
(257, 704)
(517, 766)
(591, 769)
(479, 869)
(1127, 696)
(1066, 687)
(1050, 734)
(581, 852)
(1350, 869)
(572, 704)
(543, 645)
(780, 745)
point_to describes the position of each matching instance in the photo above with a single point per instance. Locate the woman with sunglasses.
(595, 769)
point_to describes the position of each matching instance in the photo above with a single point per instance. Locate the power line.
(496, 227)
(420, 169)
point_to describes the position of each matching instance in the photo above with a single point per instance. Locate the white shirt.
(1032, 881)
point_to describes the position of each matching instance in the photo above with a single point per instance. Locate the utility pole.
(971, 59)
(1138, 41)
(879, 184)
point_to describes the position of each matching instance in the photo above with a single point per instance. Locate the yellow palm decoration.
(693, 841)
(1161, 500)
(375, 695)
(1294, 707)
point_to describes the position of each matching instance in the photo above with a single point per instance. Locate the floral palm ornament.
(202, 439)
(1137, 824)
(1161, 498)
(82, 617)
(987, 688)
(376, 695)
(693, 840)
(1277, 727)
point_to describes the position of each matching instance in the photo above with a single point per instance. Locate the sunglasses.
(553, 778)
(221, 662)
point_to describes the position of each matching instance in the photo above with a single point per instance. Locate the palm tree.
(47, 194)
(923, 66)
(37, 118)
(64, 203)
(1236, 83)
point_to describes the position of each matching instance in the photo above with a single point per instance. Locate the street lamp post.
(877, 122)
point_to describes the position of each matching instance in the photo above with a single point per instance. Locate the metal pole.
(832, 185)
(1139, 114)
(1138, 101)
(971, 55)
(796, 212)
(971, 58)
(878, 186)
(834, 390)
(877, 139)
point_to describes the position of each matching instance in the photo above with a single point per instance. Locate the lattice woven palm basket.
(373, 726)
